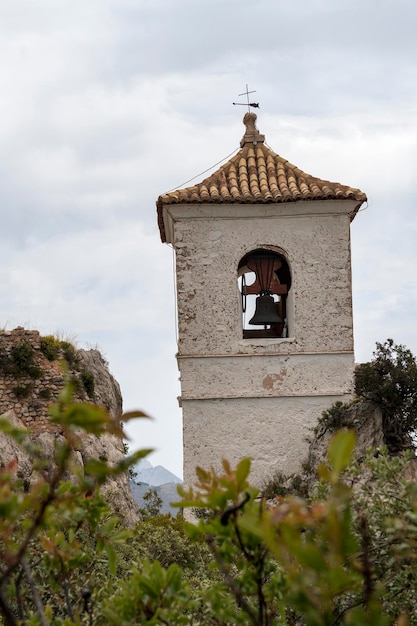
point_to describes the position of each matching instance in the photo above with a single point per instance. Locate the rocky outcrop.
(364, 417)
(367, 420)
(31, 378)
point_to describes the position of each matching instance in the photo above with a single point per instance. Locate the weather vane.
(246, 93)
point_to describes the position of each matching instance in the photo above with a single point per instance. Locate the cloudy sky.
(105, 104)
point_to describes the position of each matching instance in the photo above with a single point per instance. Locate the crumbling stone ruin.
(31, 379)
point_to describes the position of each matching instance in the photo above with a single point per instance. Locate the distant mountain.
(143, 464)
(167, 493)
(153, 476)
(158, 478)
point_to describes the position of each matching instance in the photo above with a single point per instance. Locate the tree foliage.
(390, 381)
(55, 533)
(152, 504)
(294, 560)
(342, 555)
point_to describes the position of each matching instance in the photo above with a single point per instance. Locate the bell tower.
(265, 336)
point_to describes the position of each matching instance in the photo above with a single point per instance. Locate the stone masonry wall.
(28, 389)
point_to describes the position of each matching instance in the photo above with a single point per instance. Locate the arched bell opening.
(264, 280)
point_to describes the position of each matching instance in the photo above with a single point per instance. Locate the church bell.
(265, 312)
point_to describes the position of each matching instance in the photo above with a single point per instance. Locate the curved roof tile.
(256, 175)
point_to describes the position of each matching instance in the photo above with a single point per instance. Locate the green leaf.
(130, 415)
(111, 555)
(120, 536)
(92, 419)
(97, 468)
(108, 526)
(243, 470)
(130, 459)
(340, 450)
(202, 474)
(311, 556)
(148, 585)
(18, 434)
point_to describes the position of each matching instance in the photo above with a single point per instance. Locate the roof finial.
(246, 93)
(252, 134)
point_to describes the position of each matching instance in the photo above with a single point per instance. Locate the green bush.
(50, 347)
(334, 418)
(69, 352)
(164, 538)
(87, 379)
(23, 391)
(342, 557)
(23, 356)
(58, 539)
(390, 381)
(279, 484)
(152, 504)
(276, 485)
(22, 362)
(84, 382)
(4, 360)
(76, 385)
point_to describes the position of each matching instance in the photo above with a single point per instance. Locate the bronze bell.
(265, 312)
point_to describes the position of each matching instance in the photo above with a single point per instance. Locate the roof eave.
(164, 228)
(357, 208)
(161, 225)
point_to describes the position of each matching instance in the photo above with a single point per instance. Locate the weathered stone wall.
(317, 248)
(259, 397)
(251, 376)
(272, 431)
(31, 411)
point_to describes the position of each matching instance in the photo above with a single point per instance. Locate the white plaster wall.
(272, 431)
(269, 375)
(259, 397)
(208, 250)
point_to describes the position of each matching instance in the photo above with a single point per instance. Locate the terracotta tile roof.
(256, 174)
